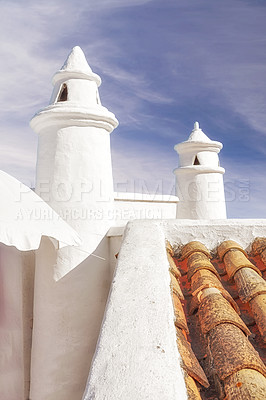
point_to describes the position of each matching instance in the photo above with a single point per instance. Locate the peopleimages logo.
(99, 192)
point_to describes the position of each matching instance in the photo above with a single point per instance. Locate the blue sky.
(164, 64)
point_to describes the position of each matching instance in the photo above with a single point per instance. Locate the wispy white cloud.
(223, 50)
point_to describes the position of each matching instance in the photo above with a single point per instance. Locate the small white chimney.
(199, 178)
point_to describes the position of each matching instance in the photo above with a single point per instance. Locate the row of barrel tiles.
(216, 331)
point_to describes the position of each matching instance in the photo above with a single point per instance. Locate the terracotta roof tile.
(194, 305)
(190, 362)
(229, 245)
(169, 249)
(192, 247)
(263, 256)
(192, 389)
(249, 284)
(231, 351)
(258, 307)
(203, 279)
(173, 266)
(180, 318)
(176, 287)
(192, 369)
(215, 310)
(246, 384)
(258, 246)
(218, 335)
(234, 260)
(198, 261)
(175, 274)
(195, 302)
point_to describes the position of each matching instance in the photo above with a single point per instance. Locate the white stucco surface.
(136, 356)
(201, 193)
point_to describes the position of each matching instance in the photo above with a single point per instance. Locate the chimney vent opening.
(196, 161)
(63, 93)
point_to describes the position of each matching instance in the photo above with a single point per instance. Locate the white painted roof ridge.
(197, 135)
(138, 330)
(76, 63)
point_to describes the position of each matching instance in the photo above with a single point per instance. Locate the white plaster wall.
(114, 248)
(16, 277)
(67, 320)
(28, 275)
(201, 195)
(136, 356)
(213, 233)
(131, 206)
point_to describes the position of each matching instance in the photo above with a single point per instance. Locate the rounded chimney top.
(76, 66)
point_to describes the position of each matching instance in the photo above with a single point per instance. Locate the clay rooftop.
(220, 309)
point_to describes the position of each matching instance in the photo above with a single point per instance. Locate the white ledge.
(144, 197)
(67, 113)
(199, 169)
(64, 75)
(189, 146)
